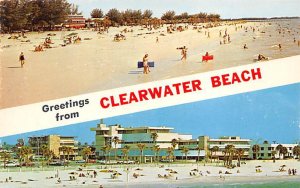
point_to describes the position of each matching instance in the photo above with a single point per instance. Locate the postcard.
(192, 93)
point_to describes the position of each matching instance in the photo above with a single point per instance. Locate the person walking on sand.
(22, 59)
(157, 40)
(184, 53)
(145, 64)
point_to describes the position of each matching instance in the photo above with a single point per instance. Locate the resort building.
(206, 143)
(268, 151)
(75, 21)
(131, 137)
(55, 143)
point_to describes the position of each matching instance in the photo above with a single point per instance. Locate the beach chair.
(140, 64)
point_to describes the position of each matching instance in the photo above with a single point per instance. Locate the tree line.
(34, 14)
(136, 17)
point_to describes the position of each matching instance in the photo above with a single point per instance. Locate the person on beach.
(279, 46)
(184, 53)
(245, 46)
(157, 40)
(22, 59)
(145, 64)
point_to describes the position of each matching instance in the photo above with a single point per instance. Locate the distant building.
(75, 21)
(266, 151)
(55, 144)
(131, 136)
(207, 143)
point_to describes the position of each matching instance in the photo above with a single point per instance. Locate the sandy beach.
(147, 175)
(98, 63)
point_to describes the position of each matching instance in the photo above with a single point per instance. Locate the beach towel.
(208, 57)
(150, 64)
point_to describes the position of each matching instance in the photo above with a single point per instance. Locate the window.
(262, 154)
(269, 154)
(262, 148)
(269, 148)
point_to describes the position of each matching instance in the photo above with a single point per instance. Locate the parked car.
(12, 164)
(80, 161)
(56, 163)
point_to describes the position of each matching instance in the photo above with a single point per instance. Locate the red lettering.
(113, 103)
(133, 98)
(102, 102)
(186, 88)
(168, 91)
(143, 95)
(245, 76)
(196, 85)
(256, 73)
(155, 92)
(215, 80)
(123, 99)
(235, 78)
(177, 87)
(225, 79)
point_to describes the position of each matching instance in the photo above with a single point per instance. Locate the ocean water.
(286, 184)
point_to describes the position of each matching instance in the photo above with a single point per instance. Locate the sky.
(270, 114)
(226, 8)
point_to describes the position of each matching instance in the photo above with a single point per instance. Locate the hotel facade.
(267, 151)
(207, 143)
(132, 136)
(185, 145)
(54, 143)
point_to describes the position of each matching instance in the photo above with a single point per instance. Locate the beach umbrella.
(117, 174)
(257, 166)
(283, 166)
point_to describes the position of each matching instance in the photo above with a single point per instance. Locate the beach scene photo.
(56, 49)
(244, 140)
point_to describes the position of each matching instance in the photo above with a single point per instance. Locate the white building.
(131, 136)
(266, 151)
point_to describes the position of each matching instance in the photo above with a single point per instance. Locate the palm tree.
(185, 150)
(49, 154)
(154, 137)
(141, 148)
(198, 148)
(125, 151)
(104, 150)
(156, 150)
(170, 151)
(5, 157)
(86, 152)
(69, 150)
(239, 152)
(44, 149)
(174, 142)
(228, 154)
(296, 151)
(215, 149)
(116, 140)
(279, 149)
(25, 153)
(273, 155)
(255, 149)
(284, 151)
(64, 149)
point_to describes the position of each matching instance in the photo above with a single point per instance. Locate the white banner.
(151, 95)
